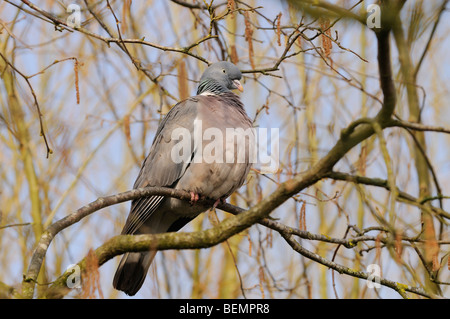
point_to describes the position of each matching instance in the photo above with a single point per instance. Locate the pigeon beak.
(238, 85)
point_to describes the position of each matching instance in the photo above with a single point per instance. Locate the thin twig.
(36, 103)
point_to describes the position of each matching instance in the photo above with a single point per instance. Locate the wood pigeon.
(215, 109)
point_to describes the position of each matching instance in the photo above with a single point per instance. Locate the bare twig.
(36, 103)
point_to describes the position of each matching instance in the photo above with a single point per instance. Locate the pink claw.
(219, 200)
(194, 198)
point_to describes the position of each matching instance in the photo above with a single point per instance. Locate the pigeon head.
(219, 78)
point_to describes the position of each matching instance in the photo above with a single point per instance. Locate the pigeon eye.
(223, 70)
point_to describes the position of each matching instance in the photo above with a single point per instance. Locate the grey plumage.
(217, 107)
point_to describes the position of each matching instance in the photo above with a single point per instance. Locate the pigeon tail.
(132, 270)
(133, 267)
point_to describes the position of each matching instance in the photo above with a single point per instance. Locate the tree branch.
(378, 182)
(55, 228)
(61, 23)
(198, 5)
(211, 237)
(418, 126)
(400, 288)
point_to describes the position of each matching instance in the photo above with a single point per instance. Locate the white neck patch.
(207, 93)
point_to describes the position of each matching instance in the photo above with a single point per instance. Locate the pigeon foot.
(194, 198)
(219, 201)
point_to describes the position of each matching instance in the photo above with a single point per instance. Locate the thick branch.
(55, 228)
(208, 238)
